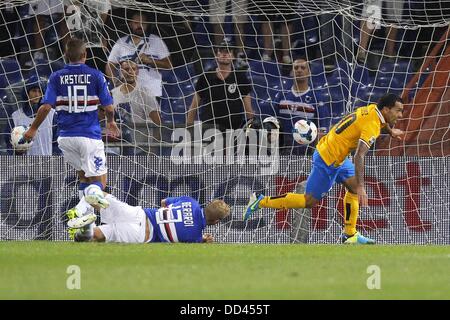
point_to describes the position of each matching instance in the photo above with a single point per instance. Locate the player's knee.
(310, 201)
(82, 177)
(351, 185)
(98, 235)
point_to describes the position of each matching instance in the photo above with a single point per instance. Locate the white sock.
(83, 207)
(88, 231)
(85, 234)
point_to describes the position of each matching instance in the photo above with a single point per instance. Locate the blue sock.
(95, 183)
(81, 187)
(98, 183)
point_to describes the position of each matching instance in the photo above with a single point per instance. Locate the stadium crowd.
(283, 63)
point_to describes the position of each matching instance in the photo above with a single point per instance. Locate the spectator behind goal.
(134, 106)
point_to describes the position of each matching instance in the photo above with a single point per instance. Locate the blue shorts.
(323, 177)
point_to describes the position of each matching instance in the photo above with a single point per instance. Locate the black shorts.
(275, 10)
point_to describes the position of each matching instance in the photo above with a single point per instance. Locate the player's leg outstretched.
(252, 206)
(318, 184)
(285, 201)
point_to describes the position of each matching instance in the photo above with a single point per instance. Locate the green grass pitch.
(38, 270)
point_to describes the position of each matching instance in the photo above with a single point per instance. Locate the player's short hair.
(217, 210)
(388, 101)
(301, 58)
(75, 49)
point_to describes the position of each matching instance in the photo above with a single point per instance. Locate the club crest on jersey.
(232, 88)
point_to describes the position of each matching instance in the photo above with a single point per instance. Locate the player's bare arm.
(155, 116)
(397, 134)
(164, 63)
(110, 70)
(393, 132)
(358, 159)
(248, 106)
(40, 117)
(111, 125)
(193, 110)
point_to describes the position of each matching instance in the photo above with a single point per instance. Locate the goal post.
(355, 51)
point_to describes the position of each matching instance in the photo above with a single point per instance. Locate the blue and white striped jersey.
(182, 220)
(76, 91)
(292, 106)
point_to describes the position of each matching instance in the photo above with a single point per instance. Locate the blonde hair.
(217, 210)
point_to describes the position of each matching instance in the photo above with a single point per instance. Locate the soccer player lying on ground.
(180, 219)
(331, 164)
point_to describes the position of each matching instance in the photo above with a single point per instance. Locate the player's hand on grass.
(208, 238)
(397, 134)
(362, 197)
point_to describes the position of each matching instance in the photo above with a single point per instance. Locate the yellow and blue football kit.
(331, 164)
(331, 161)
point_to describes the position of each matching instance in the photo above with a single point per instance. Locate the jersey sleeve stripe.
(173, 232)
(368, 146)
(163, 232)
(380, 115)
(168, 232)
(167, 228)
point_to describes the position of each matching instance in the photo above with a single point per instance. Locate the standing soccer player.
(76, 92)
(331, 164)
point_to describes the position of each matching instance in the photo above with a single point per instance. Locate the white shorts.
(46, 7)
(124, 223)
(84, 154)
(217, 11)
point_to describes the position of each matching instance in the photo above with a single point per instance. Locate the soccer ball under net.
(16, 136)
(305, 131)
